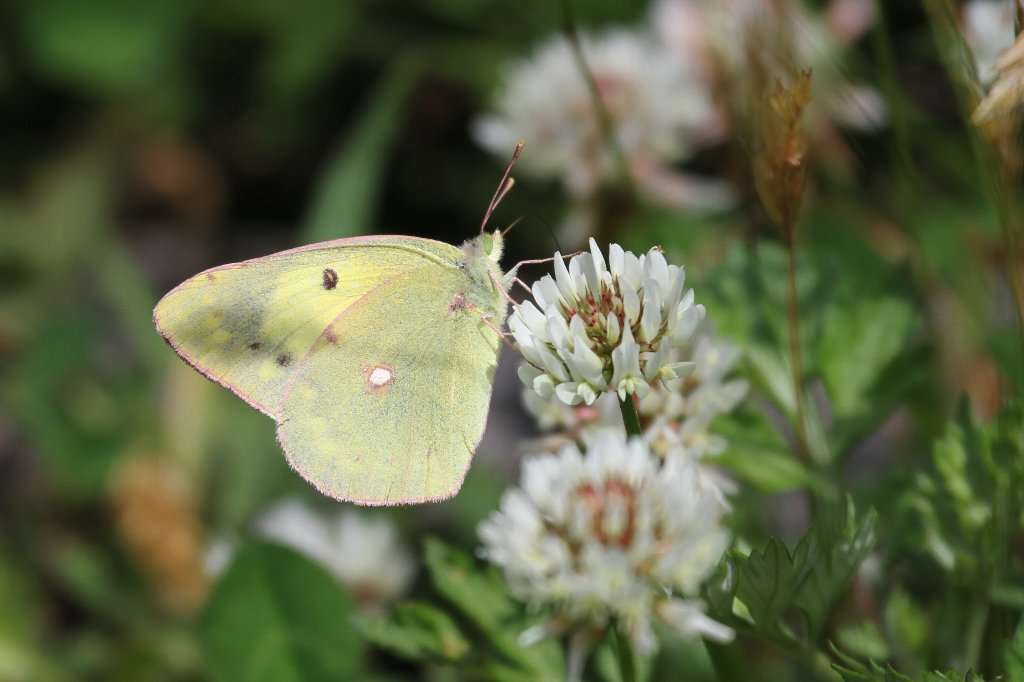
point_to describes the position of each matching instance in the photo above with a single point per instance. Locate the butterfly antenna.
(504, 186)
(515, 222)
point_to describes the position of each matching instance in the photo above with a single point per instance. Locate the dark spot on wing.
(255, 345)
(284, 359)
(330, 336)
(330, 279)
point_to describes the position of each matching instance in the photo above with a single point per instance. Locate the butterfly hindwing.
(392, 399)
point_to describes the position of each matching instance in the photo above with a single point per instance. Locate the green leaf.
(769, 371)
(834, 567)
(481, 597)
(771, 582)
(22, 655)
(858, 341)
(275, 615)
(758, 456)
(111, 46)
(864, 639)
(478, 593)
(853, 670)
(417, 631)
(970, 505)
(345, 199)
(908, 629)
(1013, 657)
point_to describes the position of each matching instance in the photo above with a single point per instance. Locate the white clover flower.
(597, 327)
(988, 28)
(617, 535)
(674, 417)
(719, 36)
(658, 109)
(364, 553)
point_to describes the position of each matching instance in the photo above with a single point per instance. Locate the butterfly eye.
(486, 242)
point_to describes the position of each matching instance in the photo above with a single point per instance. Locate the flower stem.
(796, 358)
(630, 417)
(604, 116)
(627, 668)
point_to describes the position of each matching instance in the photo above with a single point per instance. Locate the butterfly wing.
(249, 325)
(392, 399)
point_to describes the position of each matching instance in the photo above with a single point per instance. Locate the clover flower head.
(600, 326)
(678, 417)
(988, 28)
(364, 553)
(656, 107)
(616, 535)
(721, 37)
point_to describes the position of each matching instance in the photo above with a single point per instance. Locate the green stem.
(627, 667)
(630, 417)
(796, 358)
(604, 116)
(974, 632)
(728, 661)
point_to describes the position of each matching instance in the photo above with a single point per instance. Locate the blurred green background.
(144, 142)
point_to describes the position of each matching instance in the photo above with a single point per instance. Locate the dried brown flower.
(155, 516)
(780, 153)
(1000, 113)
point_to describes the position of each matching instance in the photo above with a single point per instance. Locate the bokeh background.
(144, 142)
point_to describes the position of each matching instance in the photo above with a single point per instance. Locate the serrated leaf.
(774, 580)
(834, 568)
(769, 581)
(277, 616)
(951, 676)
(720, 591)
(970, 506)
(417, 631)
(853, 670)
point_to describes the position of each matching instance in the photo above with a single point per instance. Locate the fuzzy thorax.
(481, 264)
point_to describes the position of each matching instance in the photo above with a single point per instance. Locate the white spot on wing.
(380, 376)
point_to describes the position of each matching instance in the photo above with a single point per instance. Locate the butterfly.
(375, 355)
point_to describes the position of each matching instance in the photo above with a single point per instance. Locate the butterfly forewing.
(249, 325)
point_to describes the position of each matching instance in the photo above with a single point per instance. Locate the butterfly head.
(484, 250)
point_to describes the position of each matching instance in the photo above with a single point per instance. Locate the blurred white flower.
(657, 108)
(364, 553)
(733, 41)
(597, 327)
(988, 28)
(619, 535)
